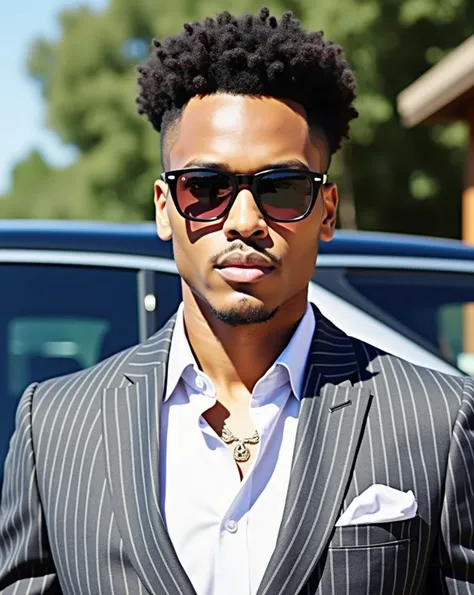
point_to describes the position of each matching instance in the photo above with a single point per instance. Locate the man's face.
(245, 135)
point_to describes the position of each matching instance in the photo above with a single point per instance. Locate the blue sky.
(22, 112)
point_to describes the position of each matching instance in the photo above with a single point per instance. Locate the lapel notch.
(340, 406)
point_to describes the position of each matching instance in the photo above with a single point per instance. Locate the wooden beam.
(442, 92)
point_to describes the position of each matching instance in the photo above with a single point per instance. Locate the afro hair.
(251, 55)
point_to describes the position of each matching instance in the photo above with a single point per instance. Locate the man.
(250, 447)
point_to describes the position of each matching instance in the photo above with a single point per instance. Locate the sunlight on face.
(244, 134)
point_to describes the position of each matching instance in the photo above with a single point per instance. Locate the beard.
(244, 315)
(240, 314)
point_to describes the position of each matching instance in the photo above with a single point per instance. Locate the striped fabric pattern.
(79, 511)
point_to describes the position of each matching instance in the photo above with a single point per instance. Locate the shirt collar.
(293, 357)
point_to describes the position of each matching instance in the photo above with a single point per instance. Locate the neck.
(235, 358)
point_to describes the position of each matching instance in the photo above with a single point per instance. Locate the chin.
(243, 311)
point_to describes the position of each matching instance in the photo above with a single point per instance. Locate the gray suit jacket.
(80, 510)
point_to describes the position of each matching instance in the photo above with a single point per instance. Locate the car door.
(56, 319)
(59, 314)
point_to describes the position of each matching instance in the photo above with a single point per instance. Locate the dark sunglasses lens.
(285, 195)
(203, 195)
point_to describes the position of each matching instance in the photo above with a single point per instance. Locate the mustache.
(236, 246)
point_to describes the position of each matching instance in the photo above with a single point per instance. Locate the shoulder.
(389, 377)
(55, 396)
(114, 372)
(71, 405)
(417, 382)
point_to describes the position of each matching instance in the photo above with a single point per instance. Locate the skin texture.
(244, 135)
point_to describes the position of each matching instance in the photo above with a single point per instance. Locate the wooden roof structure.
(444, 93)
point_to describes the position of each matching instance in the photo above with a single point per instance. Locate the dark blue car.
(75, 293)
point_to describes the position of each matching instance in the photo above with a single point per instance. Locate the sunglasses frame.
(316, 179)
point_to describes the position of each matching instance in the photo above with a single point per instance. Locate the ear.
(330, 198)
(163, 226)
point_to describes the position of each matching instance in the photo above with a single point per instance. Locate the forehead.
(245, 132)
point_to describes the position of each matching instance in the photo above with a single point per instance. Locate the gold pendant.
(241, 452)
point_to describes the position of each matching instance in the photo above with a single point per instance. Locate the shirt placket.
(232, 569)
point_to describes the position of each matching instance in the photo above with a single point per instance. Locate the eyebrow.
(290, 164)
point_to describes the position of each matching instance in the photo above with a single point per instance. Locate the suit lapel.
(131, 427)
(331, 421)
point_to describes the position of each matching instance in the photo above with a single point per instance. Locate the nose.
(245, 219)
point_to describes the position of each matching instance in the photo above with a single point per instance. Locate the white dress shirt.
(224, 530)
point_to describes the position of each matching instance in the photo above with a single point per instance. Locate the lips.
(243, 267)
(244, 274)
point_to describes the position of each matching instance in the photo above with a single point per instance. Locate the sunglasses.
(207, 194)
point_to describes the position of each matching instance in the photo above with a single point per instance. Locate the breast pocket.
(375, 559)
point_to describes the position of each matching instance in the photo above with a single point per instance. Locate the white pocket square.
(379, 504)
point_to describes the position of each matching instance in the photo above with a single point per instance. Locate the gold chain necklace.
(241, 451)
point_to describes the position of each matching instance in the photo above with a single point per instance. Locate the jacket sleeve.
(454, 555)
(26, 564)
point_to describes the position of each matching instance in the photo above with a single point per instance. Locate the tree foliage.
(400, 180)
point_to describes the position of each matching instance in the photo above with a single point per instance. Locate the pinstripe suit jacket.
(80, 507)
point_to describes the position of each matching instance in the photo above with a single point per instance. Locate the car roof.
(141, 239)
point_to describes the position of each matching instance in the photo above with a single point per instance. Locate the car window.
(55, 320)
(40, 347)
(357, 322)
(168, 296)
(433, 305)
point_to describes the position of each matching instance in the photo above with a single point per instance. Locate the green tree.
(403, 180)
(400, 180)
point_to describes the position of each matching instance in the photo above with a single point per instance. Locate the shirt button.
(200, 382)
(231, 526)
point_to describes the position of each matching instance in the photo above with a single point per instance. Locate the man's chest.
(231, 513)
